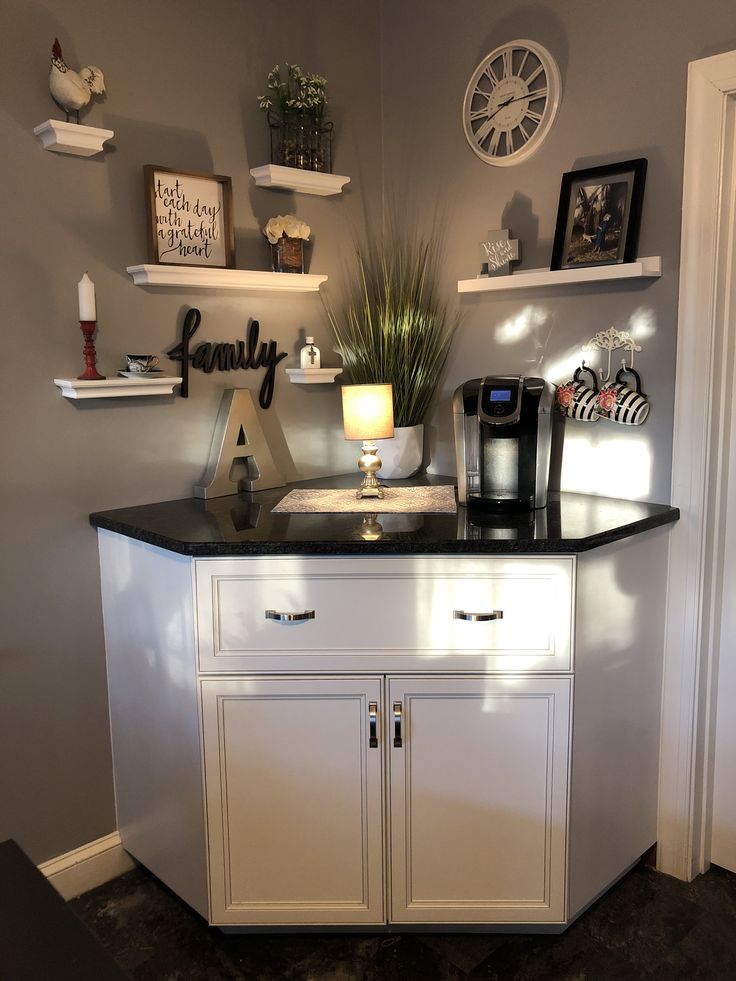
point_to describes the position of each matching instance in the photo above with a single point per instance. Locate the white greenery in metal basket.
(300, 93)
(286, 225)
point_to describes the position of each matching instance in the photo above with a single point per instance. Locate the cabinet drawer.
(357, 611)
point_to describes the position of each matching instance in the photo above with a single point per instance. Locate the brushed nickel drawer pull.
(373, 725)
(289, 617)
(398, 742)
(462, 615)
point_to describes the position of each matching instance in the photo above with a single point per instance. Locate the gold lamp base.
(369, 464)
(371, 529)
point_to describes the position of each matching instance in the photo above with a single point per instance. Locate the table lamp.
(368, 414)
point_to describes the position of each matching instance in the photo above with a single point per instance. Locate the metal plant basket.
(301, 141)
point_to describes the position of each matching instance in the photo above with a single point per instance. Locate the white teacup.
(141, 362)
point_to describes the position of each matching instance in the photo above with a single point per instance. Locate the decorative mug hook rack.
(611, 340)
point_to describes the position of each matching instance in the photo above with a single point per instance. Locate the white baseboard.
(91, 865)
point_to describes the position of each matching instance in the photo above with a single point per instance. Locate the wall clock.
(510, 103)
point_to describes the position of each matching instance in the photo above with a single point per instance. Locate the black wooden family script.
(224, 356)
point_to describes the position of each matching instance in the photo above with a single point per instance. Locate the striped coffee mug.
(577, 400)
(622, 404)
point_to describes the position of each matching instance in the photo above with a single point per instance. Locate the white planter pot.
(401, 456)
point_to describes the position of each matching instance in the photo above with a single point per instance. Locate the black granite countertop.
(243, 524)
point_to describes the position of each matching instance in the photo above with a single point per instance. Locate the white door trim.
(693, 580)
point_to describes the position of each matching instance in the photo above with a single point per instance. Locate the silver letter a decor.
(240, 458)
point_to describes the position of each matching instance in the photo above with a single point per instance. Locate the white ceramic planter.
(401, 456)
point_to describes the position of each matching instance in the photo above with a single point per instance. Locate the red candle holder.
(90, 373)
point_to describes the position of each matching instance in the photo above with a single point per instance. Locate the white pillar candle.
(87, 307)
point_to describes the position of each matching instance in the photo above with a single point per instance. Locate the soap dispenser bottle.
(309, 355)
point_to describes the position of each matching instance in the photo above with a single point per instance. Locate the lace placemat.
(403, 500)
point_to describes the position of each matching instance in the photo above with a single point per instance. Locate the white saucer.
(141, 374)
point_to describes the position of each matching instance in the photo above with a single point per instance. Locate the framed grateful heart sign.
(189, 218)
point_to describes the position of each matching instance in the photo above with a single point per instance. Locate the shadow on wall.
(523, 224)
(22, 19)
(660, 195)
(142, 143)
(549, 30)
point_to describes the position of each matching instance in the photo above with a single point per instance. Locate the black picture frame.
(599, 215)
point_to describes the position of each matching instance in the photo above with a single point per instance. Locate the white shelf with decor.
(313, 376)
(649, 267)
(73, 138)
(116, 388)
(208, 278)
(301, 181)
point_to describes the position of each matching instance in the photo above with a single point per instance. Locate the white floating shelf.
(647, 268)
(301, 181)
(81, 141)
(313, 376)
(205, 278)
(116, 388)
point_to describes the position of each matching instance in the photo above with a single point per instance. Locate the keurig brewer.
(503, 437)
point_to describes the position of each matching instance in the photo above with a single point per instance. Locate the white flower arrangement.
(300, 93)
(286, 225)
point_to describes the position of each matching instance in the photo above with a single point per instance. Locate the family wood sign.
(225, 356)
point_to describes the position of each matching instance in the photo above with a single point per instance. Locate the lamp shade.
(367, 411)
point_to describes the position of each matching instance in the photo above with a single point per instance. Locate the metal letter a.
(240, 458)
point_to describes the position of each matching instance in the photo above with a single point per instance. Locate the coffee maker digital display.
(503, 433)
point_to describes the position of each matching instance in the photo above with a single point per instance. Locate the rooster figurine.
(71, 90)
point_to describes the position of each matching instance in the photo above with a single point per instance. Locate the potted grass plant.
(395, 328)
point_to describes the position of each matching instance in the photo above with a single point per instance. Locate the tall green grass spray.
(394, 327)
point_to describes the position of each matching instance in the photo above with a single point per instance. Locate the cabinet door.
(294, 800)
(479, 799)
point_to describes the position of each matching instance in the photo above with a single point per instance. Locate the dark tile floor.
(649, 927)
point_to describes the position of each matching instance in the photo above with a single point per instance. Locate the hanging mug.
(622, 404)
(578, 400)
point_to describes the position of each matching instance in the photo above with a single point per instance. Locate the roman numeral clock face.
(511, 102)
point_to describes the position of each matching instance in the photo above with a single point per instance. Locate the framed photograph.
(190, 218)
(599, 215)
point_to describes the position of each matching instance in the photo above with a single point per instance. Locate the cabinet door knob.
(289, 617)
(462, 615)
(373, 725)
(398, 742)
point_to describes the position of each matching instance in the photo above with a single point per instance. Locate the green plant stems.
(393, 327)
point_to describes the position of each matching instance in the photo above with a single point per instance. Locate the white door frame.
(693, 593)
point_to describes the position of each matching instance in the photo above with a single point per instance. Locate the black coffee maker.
(503, 441)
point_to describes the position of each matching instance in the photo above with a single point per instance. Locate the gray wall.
(182, 82)
(624, 71)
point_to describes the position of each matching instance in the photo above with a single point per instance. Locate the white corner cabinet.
(334, 742)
